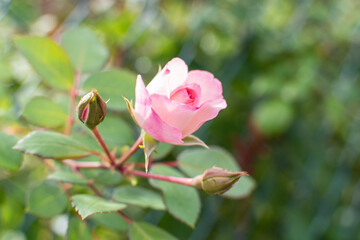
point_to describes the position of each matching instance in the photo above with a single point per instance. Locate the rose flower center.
(184, 95)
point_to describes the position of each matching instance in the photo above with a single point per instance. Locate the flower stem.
(129, 153)
(73, 95)
(102, 143)
(178, 180)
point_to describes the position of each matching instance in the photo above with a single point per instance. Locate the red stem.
(73, 95)
(129, 153)
(178, 180)
(102, 143)
(77, 164)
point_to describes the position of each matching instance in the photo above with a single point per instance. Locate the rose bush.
(177, 102)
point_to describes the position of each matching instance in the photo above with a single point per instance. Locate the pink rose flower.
(177, 102)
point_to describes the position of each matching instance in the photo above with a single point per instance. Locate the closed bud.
(216, 180)
(91, 109)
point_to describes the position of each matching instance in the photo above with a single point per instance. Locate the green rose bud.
(91, 109)
(216, 180)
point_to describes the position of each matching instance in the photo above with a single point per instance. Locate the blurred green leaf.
(115, 131)
(113, 85)
(182, 202)
(139, 196)
(111, 220)
(44, 112)
(86, 52)
(162, 150)
(67, 176)
(52, 145)
(77, 230)
(273, 117)
(103, 176)
(9, 158)
(195, 161)
(47, 200)
(143, 230)
(87, 205)
(49, 60)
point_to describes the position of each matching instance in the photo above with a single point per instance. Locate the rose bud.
(91, 109)
(216, 180)
(177, 102)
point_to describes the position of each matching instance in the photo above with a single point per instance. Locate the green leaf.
(195, 161)
(149, 147)
(47, 200)
(182, 202)
(115, 131)
(86, 52)
(113, 85)
(139, 196)
(110, 220)
(77, 229)
(87, 205)
(44, 112)
(48, 59)
(162, 150)
(103, 176)
(146, 231)
(68, 177)
(9, 158)
(52, 145)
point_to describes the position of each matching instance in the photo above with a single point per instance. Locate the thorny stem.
(102, 143)
(179, 180)
(73, 94)
(129, 153)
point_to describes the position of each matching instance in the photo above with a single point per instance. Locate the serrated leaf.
(113, 85)
(68, 177)
(139, 196)
(192, 140)
(52, 145)
(47, 200)
(87, 205)
(182, 202)
(9, 158)
(195, 161)
(44, 112)
(86, 52)
(48, 59)
(146, 231)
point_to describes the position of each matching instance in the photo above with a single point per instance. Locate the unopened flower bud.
(216, 180)
(91, 109)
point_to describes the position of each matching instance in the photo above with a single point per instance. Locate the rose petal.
(176, 114)
(206, 112)
(170, 77)
(210, 86)
(148, 120)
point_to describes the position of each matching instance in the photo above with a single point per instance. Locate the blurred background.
(290, 73)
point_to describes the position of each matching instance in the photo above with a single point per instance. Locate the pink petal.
(210, 86)
(170, 77)
(206, 112)
(176, 114)
(148, 120)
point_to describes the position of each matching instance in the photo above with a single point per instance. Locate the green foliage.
(139, 196)
(48, 59)
(44, 112)
(9, 158)
(67, 176)
(113, 85)
(77, 229)
(52, 145)
(87, 205)
(47, 200)
(86, 52)
(181, 201)
(143, 230)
